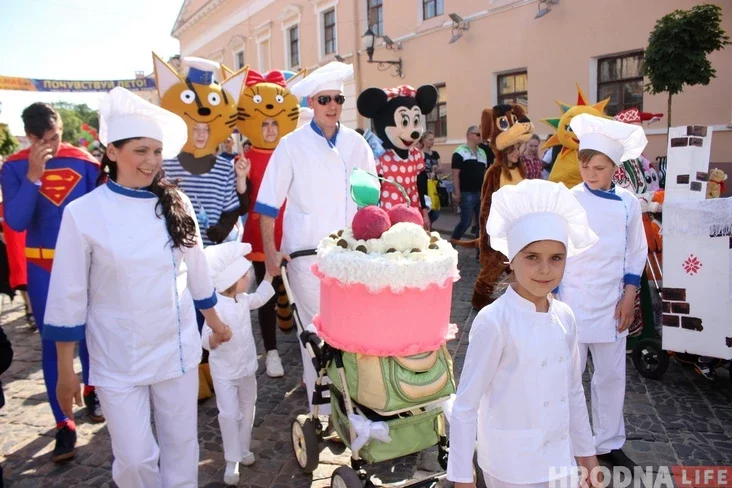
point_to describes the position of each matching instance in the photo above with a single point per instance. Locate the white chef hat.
(618, 141)
(124, 115)
(537, 210)
(227, 263)
(326, 78)
(201, 71)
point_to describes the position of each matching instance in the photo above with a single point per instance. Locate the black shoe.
(93, 407)
(30, 320)
(65, 444)
(706, 370)
(617, 457)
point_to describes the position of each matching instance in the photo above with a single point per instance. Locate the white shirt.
(520, 393)
(236, 358)
(313, 175)
(594, 281)
(114, 282)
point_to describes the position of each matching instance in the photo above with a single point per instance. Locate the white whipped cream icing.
(409, 264)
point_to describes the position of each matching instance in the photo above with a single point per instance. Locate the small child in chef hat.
(601, 285)
(520, 393)
(234, 363)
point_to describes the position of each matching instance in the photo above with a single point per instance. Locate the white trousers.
(136, 454)
(236, 400)
(568, 482)
(306, 288)
(607, 393)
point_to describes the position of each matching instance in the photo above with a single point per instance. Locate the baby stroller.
(372, 434)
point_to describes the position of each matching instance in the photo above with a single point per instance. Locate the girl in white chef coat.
(520, 393)
(601, 284)
(234, 364)
(115, 282)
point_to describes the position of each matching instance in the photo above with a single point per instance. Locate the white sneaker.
(231, 475)
(274, 365)
(248, 459)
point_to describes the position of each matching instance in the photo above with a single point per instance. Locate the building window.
(329, 31)
(432, 8)
(620, 78)
(375, 16)
(263, 55)
(239, 60)
(514, 88)
(293, 36)
(437, 119)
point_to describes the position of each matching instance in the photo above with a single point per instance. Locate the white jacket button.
(543, 363)
(561, 359)
(564, 399)
(546, 404)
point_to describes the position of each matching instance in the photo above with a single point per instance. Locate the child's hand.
(222, 332)
(214, 341)
(591, 475)
(625, 311)
(268, 277)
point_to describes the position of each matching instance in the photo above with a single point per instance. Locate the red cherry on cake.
(370, 222)
(405, 213)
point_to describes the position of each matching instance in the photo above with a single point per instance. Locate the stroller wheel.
(649, 359)
(305, 443)
(345, 477)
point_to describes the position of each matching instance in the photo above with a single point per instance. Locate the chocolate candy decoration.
(342, 243)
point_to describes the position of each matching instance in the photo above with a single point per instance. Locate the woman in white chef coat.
(115, 282)
(601, 285)
(520, 393)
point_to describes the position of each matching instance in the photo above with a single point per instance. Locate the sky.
(79, 40)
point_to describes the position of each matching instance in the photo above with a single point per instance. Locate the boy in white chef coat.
(601, 284)
(520, 392)
(234, 364)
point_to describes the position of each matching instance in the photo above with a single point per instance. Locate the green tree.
(678, 48)
(74, 116)
(8, 143)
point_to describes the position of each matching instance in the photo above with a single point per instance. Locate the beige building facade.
(477, 52)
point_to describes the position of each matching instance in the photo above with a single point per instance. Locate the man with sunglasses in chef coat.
(311, 168)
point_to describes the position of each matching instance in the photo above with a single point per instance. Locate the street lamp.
(369, 38)
(548, 7)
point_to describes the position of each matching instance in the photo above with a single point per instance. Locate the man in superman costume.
(37, 184)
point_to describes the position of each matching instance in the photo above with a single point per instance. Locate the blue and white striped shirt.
(211, 193)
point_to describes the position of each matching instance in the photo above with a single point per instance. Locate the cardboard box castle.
(697, 251)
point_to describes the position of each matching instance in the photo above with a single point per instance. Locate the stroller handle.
(301, 254)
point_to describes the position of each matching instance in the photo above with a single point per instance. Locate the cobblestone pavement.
(679, 420)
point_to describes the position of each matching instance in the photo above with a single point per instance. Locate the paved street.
(679, 420)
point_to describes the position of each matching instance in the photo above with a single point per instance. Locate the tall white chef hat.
(124, 115)
(618, 141)
(326, 78)
(227, 263)
(537, 210)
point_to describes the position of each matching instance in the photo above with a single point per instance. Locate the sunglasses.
(325, 99)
